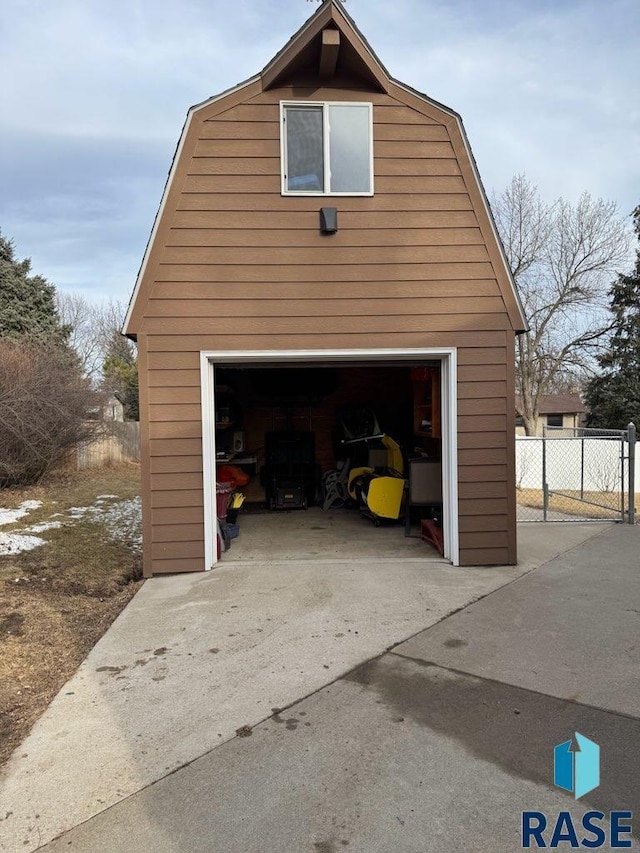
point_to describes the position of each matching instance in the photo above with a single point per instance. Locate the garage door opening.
(324, 446)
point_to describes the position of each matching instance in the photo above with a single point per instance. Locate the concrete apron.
(194, 658)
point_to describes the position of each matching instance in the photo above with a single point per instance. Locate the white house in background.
(556, 410)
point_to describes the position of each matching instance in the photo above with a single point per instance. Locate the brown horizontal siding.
(244, 112)
(259, 153)
(392, 114)
(413, 168)
(220, 129)
(172, 429)
(228, 223)
(175, 447)
(393, 131)
(335, 272)
(485, 557)
(298, 258)
(408, 150)
(177, 551)
(174, 361)
(177, 515)
(484, 483)
(481, 439)
(481, 390)
(483, 523)
(176, 464)
(172, 566)
(182, 498)
(332, 325)
(172, 395)
(288, 291)
(434, 201)
(248, 121)
(174, 378)
(237, 149)
(483, 539)
(238, 340)
(482, 456)
(309, 238)
(263, 166)
(256, 184)
(477, 507)
(265, 126)
(482, 372)
(389, 112)
(173, 413)
(481, 356)
(325, 307)
(177, 482)
(474, 473)
(178, 532)
(492, 489)
(490, 406)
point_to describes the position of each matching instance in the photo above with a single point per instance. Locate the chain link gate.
(577, 474)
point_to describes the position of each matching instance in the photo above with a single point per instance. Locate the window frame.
(555, 416)
(325, 148)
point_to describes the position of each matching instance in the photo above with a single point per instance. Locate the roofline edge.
(167, 188)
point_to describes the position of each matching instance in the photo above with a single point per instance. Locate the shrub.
(45, 407)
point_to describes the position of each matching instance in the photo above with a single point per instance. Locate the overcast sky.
(95, 93)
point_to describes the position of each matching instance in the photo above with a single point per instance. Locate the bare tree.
(94, 327)
(562, 257)
(81, 317)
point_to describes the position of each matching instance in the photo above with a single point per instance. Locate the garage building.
(323, 247)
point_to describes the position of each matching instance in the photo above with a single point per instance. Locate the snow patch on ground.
(42, 526)
(122, 520)
(78, 511)
(9, 516)
(16, 543)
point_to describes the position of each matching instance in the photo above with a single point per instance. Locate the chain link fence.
(577, 475)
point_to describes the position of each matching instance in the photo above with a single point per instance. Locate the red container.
(223, 493)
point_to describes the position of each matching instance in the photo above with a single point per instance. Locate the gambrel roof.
(316, 47)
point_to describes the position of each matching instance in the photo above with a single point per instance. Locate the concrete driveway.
(196, 662)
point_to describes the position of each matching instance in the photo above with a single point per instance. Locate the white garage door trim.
(448, 358)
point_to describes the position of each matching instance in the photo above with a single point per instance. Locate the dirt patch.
(58, 599)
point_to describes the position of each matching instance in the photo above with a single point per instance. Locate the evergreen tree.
(120, 371)
(613, 397)
(27, 302)
(45, 402)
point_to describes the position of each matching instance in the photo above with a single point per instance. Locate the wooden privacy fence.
(118, 442)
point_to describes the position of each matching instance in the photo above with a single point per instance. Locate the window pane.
(305, 161)
(349, 147)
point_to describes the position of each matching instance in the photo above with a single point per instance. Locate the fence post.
(631, 435)
(545, 488)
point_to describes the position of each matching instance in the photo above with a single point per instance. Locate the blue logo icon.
(577, 768)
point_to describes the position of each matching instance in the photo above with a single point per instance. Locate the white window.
(327, 149)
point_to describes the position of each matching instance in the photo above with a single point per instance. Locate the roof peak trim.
(331, 12)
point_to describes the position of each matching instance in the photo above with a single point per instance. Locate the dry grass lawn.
(601, 504)
(57, 600)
